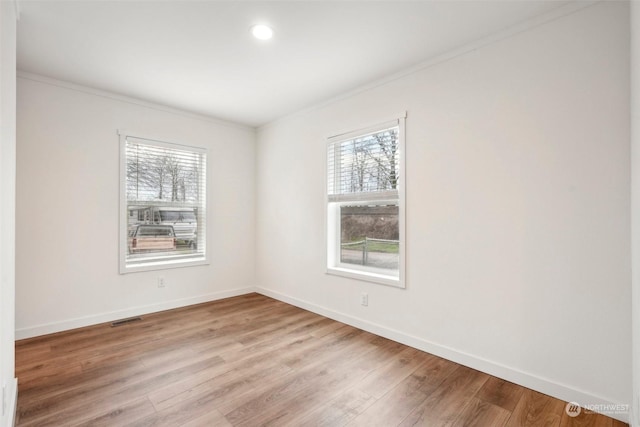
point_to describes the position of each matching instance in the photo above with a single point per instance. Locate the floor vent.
(125, 321)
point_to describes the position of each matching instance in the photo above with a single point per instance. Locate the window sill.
(163, 265)
(367, 276)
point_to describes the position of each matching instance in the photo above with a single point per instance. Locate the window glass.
(365, 201)
(163, 201)
(370, 236)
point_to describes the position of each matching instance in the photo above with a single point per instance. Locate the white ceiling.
(199, 55)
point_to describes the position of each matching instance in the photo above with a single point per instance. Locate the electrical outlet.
(364, 299)
(161, 282)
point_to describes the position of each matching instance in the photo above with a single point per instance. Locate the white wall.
(7, 209)
(635, 198)
(68, 204)
(518, 182)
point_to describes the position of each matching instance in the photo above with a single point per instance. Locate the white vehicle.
(183, 220)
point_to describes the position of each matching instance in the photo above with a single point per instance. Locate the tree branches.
(156, 174)
(370, 163)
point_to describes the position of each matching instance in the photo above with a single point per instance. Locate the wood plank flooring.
(255, 361)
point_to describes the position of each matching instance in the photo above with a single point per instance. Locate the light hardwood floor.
(252, 361)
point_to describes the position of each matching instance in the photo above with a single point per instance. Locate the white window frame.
(332, 212)
(123, 215)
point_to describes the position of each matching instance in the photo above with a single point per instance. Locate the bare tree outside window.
(162, 175)
(387, 163)
(369, 163)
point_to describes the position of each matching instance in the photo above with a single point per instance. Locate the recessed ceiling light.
(261, 32)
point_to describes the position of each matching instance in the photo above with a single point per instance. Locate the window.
(365, 204)
(162, 204)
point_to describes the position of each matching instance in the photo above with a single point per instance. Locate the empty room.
(320, 213)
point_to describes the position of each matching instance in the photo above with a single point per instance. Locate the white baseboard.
(534, 382)
(79, 322)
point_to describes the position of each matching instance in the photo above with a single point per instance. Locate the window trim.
(332, 227)
(123, 214)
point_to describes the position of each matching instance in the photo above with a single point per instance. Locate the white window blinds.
(165, 173)
(364, 166)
